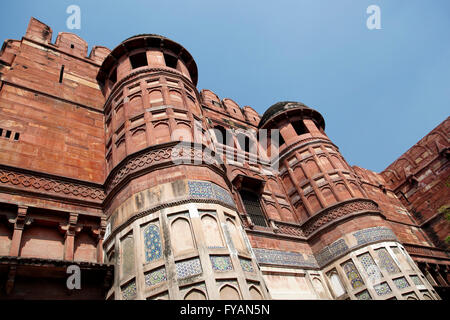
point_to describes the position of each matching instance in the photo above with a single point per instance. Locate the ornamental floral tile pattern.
(386, 261)
(364, 295)
(129, 291)
(353, 275)
(208, 190)
(277, 257)
(221, 263)
(152, 243)
(382, 289)
(370, 266)
(417, 280)
(374, 234)
(331, 252)
(155, 277)
(401, 283)
(188, 268)
(246, 265)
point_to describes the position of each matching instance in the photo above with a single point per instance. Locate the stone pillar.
(71, 228)
(19, 223)
(99, 234)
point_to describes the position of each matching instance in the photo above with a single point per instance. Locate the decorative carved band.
(337, 211)
(289, 229)
(426, 251)
(172, 153)
(40, 183)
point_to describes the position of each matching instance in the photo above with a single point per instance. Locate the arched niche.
(235, 236)
(195, 294)
(255, 293)
(229, 292)
(211, 229)
(182, 240)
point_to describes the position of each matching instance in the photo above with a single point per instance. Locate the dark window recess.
(72, 46)
(113, 76)
(16, 136)
(252, 205)
(281, 141)
(61, 74)
(245, 142)
(299, 127)
(171, 61)
(221, 137)
(1, 132)
(8, 134)
(139, 60)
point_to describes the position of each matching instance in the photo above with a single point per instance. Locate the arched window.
(138, 60)
(245, 142)
(299, 127)
(223, 136)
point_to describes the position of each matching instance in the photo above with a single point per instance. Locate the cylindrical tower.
(173, 231)
(353, 243)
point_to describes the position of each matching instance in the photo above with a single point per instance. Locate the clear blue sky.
(380, 91)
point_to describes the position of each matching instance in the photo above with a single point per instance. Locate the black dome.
(283, 106)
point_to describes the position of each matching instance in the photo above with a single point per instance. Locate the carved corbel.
(21, 220)
(99, 232)
(71, 228)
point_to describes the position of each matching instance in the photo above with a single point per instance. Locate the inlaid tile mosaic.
(208, 190)
(382, 289)
(364, 295)
(221, 263)
(386, 261)
(363, 237)
(331, 252)
(129, 291)
(353, 274)
(152, 243)
(374, 234)
(401, 283)
(277, 257)
(188, 268)
(155, 277)
(416, 280)
(370, 266)
(246, 265)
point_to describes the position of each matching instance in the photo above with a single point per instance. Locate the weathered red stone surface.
(89, 131)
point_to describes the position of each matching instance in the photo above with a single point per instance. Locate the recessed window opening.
(139, 60)
(299, 127)
(113, 76)
(252, 205)
(245, 142)
(8, 134)
(16, 136)
(221, 135)
(171, 61)
(61, 74)
(1, 132)
(281, 140)
(72, 46)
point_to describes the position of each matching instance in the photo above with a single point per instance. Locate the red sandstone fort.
(87, 178)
